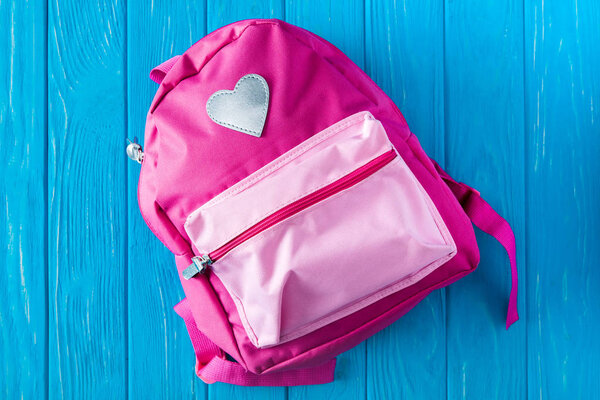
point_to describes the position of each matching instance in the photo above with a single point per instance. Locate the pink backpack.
(303, 214)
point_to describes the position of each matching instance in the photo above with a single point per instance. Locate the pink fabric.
(323, 158)
(278, 278)
(211, 157)
(212, 366)
(210, 316)
(489, 221)
(158, 73)
(189, 160)
(319, 346)
(209, 160)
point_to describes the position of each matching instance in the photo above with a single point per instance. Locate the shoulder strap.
(485, 218)
(158, 73)
(212, 366)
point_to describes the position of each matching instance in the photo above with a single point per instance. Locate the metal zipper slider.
(134, 150)
(198, 266)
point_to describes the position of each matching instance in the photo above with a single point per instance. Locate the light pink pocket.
(329, 227)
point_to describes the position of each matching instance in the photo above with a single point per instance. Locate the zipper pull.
(134, 150)
(198, 266)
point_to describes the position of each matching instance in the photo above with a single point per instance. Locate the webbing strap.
(485, 218)
(212, 366)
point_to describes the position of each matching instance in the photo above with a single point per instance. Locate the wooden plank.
(220, 13)
(223, 12)
(562, 61)
(23, 334)
(485, 148)
(341, 23)
(161, 358)
(405, 57)
(86, 184)
(405, 45)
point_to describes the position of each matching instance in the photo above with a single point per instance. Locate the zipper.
(201, 263)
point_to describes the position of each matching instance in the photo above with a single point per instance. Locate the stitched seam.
(272, 230)
(358, 304)
(294, 153)
(437, 218)
(396, 286)
(229, 92)
(369, 299)
(145, 217)
(278, 226)
(157, 101)
(286, 202)
(242, 313)
(289, 156)
(424, 292)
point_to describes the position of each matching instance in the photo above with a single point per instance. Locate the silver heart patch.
(244, 108)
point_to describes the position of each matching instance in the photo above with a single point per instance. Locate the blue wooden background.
(505, 94)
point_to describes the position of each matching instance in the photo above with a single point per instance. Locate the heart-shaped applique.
(244, 108)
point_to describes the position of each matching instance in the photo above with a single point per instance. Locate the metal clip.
(198, 266)
(134, 150)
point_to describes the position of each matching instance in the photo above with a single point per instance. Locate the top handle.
(159, 72)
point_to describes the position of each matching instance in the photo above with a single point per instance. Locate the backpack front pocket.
(326, 229)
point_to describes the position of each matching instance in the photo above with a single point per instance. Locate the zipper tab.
(134, 150)
(198, 266)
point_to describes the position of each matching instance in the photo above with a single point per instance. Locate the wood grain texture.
(485, 148)
(562, 68)
(87, 200)
(223, 12)
(405, 58)
(158, 340)
(341, 23)
(23, 333)
(504, 94)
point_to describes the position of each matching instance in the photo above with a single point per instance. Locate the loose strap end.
(489, 221)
